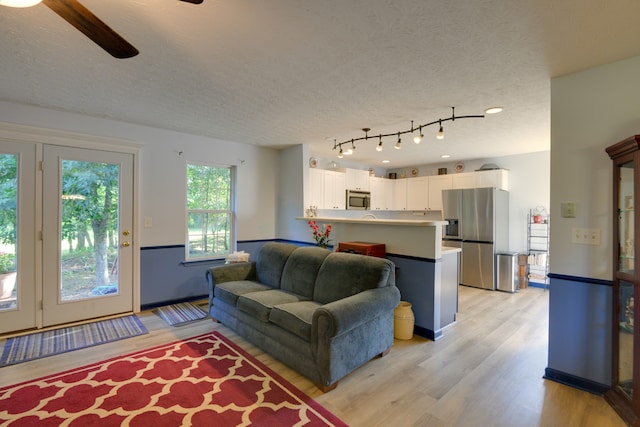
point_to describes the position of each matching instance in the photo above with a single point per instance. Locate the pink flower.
(320, 235)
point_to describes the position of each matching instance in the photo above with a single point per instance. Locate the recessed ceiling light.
(445, 156)
(385, 161)
(493, 110)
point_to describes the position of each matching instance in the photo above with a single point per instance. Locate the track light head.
(340, 154)
(440, 134)
(397, 146)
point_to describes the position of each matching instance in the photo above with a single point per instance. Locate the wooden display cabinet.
(624, 395)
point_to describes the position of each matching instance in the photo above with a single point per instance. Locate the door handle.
(125, 244)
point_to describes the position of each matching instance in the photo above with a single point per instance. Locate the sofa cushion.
(295, 317)
(230, 291)
(270, 262)
(259, 304)
(301, 269)
(343, 274)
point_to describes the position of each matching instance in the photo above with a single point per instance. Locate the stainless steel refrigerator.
(479, 224)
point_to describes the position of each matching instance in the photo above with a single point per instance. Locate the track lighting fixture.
(440, 134)
(417, 138)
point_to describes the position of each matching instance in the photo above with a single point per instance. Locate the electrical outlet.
(594, 236)
(576, 235)
(585, 236)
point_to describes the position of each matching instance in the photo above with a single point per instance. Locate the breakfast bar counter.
(419, 238)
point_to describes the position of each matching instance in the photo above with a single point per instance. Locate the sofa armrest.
(343, 315)
(229, 273)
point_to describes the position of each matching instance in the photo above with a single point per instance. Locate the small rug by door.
(179, 314)
(42, 344)
(202, 381)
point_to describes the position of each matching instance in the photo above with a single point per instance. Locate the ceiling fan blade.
(90, 25)
(193, 1)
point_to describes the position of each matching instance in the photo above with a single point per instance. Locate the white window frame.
(231, 212)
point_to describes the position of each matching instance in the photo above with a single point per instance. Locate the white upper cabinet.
(497, 178)
(399, 194)
(357, 179)
(418, 193)
(463, 180)
(334, 190)
(316, 188)
(437, 183)
(381, 193)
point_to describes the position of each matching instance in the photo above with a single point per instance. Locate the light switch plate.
(148, 221)
(568, 209)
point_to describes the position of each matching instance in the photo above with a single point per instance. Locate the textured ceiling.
(285, 72)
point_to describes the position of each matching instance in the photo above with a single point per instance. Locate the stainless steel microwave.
(358, 200)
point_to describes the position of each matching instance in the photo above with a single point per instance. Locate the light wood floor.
(485, 371)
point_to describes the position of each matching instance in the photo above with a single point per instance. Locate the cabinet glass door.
(626, 218)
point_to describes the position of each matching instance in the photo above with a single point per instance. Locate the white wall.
(162, 171)
(293, 183)
(590, 111)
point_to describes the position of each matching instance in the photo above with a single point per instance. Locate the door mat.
(43, 344)
(205, 380)
(179, 314)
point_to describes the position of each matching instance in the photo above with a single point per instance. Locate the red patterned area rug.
(203, 381)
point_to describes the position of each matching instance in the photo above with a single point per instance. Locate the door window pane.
(89, 230)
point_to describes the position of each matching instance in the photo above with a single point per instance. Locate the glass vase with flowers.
(320, 233)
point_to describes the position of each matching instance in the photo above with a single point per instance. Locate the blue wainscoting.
(165, 277)
(580, 332)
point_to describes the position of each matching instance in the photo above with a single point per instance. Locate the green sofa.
(322, 313)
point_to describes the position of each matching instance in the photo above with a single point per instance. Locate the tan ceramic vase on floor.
(403, 321)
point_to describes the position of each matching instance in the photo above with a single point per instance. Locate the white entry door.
(87, 230)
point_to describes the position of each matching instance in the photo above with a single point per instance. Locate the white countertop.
(379, 221)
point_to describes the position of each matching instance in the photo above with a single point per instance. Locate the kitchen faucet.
(369, 215)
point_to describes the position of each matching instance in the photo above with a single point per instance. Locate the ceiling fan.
(89, 24)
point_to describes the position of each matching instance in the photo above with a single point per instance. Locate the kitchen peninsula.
(426, 272)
